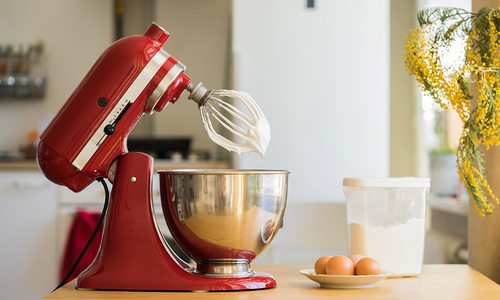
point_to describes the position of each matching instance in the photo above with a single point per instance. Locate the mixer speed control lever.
(109, 129)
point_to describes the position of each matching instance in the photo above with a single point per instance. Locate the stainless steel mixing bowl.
(223, 219)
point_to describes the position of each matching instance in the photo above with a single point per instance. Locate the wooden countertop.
(436, 282)
(30, 165)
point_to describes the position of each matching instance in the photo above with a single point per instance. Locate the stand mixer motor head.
(132, 77)
(135, 76)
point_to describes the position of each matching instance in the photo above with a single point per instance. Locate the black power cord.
(91, 238)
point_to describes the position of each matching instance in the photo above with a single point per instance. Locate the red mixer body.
(133, 77)
(134, 256)
(75, 149)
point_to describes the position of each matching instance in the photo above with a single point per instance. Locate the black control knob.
(109, 129)
(102, 102)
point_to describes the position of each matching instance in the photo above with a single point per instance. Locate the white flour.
(398, 249)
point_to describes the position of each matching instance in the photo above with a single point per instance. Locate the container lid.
(389, 182)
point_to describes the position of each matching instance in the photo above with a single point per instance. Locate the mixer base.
(133, 254)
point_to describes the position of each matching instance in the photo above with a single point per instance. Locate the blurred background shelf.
(449, 205)
(447, 235)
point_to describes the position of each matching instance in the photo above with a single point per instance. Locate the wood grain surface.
(436, 282)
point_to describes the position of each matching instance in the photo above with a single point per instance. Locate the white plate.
(344, 281)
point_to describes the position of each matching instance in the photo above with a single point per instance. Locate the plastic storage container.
(386, 221)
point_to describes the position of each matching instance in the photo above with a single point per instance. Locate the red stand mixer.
(87, 141)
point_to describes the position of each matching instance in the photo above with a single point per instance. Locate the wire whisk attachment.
(232, 119)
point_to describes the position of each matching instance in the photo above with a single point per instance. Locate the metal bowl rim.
(223, 172)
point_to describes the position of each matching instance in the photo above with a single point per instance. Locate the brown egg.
(319, 266)
(339, 265)
(367, 266)
(355, 258)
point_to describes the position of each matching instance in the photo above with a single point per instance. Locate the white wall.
(321, 77)
(74, 33)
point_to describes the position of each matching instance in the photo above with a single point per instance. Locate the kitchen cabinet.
(28, 267)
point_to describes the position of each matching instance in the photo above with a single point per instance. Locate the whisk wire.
(251, 105)
(240, 117)
(228, 124)
(218, 138)
(233, 110)
(243, 119)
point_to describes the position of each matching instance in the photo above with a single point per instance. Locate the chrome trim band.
(224, 268)
(163, 86)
